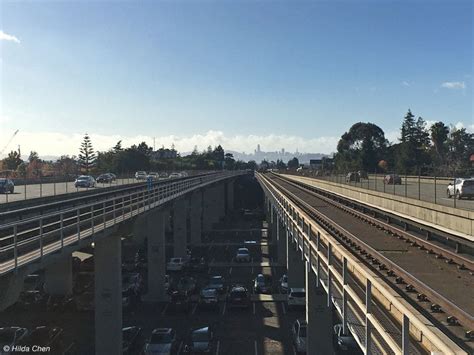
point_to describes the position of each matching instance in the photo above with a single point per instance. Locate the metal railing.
(32, 238)
(380, 320)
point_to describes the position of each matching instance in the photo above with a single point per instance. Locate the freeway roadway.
(425, 191)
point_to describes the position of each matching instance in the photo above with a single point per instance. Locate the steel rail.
(418, 324)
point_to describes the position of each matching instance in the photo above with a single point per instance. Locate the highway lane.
(24, 192)
(425, 191)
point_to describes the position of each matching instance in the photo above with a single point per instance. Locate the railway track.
(435, 279)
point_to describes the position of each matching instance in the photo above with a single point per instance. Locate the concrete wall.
(453, 220)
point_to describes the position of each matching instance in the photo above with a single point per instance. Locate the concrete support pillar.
(11, 286)
(196, 217)
(156, 256)
(294, 265)
(108, 295)
(209, 215)
(179, 227)
(273, 225)
(318, 317)
(219, 197)
(281, 242)
(58, 277)
(230, 195)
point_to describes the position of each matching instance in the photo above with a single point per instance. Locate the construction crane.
(9, 141)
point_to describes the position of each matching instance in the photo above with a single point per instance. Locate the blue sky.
(288, 74)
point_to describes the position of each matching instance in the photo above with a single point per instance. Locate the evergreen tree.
(87, 156)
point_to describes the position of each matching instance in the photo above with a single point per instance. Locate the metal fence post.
(419, 184)
(406, 183)
(15, 242)
(344, 296)
(435, 188)
(368, 310)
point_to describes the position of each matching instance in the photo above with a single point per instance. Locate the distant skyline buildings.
(259, 155)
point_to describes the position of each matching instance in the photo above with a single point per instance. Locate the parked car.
(180, 301)
(32, 300)
(153, 175)
(105, 178)
(140, 175)
(242, 255)
(176, 264)
(163, 175)
(461, 188)
(187, 285)
(209, 297)
(45, 336)
(6, 185)
(174, 176)
(352, 177)
(198, 265)
(113, 176)
(392, 179)
(217, 282)
(85, 181)
(298, 335)
(262, 284)
(11, 336)
(130, 337)
(296, 297)
(163, 341)
(345, 342)
(284, 284)
(201, 341)
(238, 297)
(32, 282)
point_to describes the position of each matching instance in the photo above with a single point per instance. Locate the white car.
(284, 284)
(153, 175)
(296, 297)
(174, 176)
(140, 175)
(176, 264)
(298, 333)
(242, 255)
(461, 188)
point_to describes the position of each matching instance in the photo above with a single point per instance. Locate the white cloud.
(469, 128)
(406, 83)
(454, 85)
(56, 144)
(6, 37)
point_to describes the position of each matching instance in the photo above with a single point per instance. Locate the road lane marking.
(255, 343)
(180, 346)
(217, 347)
(253, 307)
(223, 310)
(284, 308)
(194, 309)
(230, 271)
(164, 309)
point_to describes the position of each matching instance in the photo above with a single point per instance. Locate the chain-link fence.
(455, 190)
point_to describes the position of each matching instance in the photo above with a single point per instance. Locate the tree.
(439, 136)
(87, 156)
(229, 161)
(461, 146)
(280, 165)
(361, 147)
(118, 147)
(66, 165)
(12, 161)
(293, 163)
(33, 156)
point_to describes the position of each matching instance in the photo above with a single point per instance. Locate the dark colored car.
(85, 181)
(130, 337)
(239, 297)
(186, 285)
(32, 300)
(163, 341)
(45, 336)
(6, 185)
(353, 177)
(262, 284)
(209, 298)
(198, 265)
(201, 341)
(105, 178)
(392, 179)
(180, 301)
(217, 282)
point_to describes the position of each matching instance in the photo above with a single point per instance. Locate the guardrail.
(32, 238)
(356, 291)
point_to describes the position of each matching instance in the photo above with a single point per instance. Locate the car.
(217, 282)
(363, 174)
(163, 341)
(352, 177)
(113, 176)
(180, 301)
(45, 336)
(85, 181)
(6, 186)
(198, 265)
(392, 179)
(183, 174)
(208, 297)
(238, 297)
(345, 342)
(201, 341)
(186, 285)
(31, 300)
(130, 337)
(284, 284)
(104, 178)
(296, 297)
(140, 175)
(262, 284)
(153, 175)
(298, 335)
(174, 176)
(461, 188)
(11, 336)
(32, 282)
(242, 255)
(176, 264)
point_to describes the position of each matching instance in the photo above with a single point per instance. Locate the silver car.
(162, 341)
(461, 188)
(85, 181)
